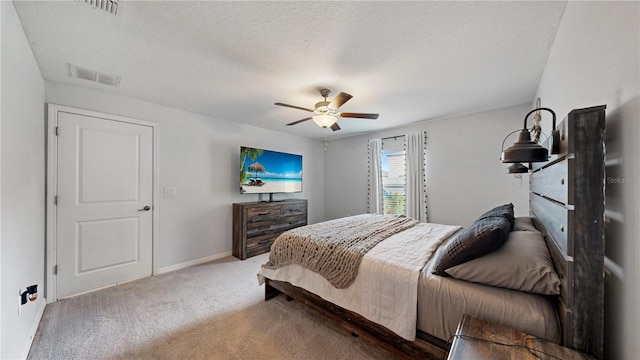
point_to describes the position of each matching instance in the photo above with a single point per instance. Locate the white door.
(105, 191)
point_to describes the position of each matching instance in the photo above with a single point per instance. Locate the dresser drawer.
(257, 214)
(259, 243)
(262, 228)
(292, 222)
(294, 209)
(257, 250)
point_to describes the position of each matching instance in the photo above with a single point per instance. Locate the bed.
(566, 213)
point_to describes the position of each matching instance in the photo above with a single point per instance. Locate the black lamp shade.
(525, 151)
(517, 168)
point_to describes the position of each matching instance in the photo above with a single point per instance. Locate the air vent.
(95, 76)
(109, 79)
(110, 6)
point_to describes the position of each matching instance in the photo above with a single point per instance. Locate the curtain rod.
(391, 137)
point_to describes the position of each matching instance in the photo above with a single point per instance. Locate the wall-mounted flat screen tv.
(268, 172)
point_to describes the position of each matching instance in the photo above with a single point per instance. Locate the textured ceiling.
(408, 61)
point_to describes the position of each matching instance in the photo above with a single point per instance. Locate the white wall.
(1, 21)
(200, 156)
(465, 176)
(594, 60)
(23, 185)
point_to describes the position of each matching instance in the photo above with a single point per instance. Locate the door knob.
(146, 208)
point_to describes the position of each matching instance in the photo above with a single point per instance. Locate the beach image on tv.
(265, 171)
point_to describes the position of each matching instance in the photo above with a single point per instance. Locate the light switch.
(169, 191)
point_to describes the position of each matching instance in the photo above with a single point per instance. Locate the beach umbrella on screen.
(256, 167)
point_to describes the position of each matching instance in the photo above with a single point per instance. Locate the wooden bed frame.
(567, 206)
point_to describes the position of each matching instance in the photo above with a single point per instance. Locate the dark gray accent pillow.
(506, 211)
(523, 263)
(483, 236)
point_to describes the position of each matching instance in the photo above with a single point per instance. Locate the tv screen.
(267, 172)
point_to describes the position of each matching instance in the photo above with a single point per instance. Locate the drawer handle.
(264, 213)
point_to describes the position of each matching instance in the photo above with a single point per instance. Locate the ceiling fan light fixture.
(325, 121)
(325, 113)
(322, 108)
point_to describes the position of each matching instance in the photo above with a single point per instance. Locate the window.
(393, 175)
(397, 175)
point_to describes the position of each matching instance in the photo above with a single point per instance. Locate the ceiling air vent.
(110, 6)
(95, 76)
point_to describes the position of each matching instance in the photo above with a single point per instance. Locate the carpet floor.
(210, 311)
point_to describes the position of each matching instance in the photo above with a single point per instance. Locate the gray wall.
(594, 60)
(464, 174)
(200, 156)
(23, 185)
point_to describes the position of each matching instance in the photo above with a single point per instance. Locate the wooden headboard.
(567, 204)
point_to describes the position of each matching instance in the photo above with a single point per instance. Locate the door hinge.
(55, 200)
(57, 131)
(55, 269)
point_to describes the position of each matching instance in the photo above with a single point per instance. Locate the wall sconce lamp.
(527, 151)
(30, 293)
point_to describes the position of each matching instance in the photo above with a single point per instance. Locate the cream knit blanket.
(335, 248)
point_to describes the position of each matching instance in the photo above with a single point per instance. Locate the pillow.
(483, 236)
(523, 263)
(524, 224)
(505, 211)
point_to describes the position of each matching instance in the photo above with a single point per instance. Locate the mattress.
(442, 301)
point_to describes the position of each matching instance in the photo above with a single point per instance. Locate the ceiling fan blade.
(359, 115)
(293, 106)
(335, 127)
(299, 121)
(339, 100)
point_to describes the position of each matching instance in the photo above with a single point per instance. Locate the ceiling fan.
(326, 113)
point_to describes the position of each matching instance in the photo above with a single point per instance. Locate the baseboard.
(34, 328)
(187, 264)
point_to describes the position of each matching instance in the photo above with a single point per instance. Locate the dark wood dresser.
(257, 224)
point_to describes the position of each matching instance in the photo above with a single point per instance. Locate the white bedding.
(386, 288)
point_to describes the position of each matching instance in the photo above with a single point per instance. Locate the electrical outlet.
(170, 191)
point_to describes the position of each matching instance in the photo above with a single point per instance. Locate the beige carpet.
(211, 311)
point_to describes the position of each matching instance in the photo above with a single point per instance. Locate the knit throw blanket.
(335, 248)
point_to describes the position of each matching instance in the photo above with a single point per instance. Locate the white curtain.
(415, 192)
(375, 176)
